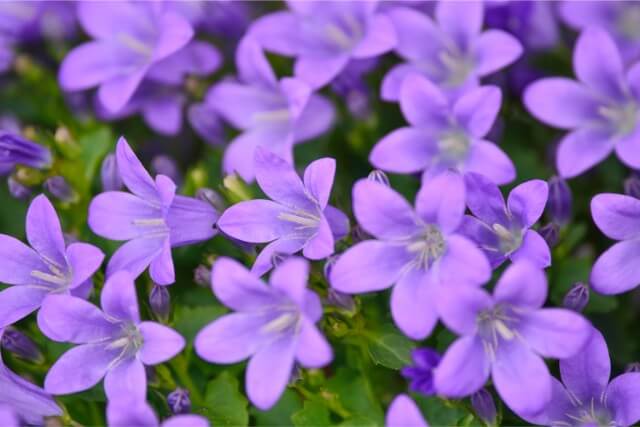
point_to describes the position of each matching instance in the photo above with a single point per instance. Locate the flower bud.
(109, 174)
(18, 190)
(560, 201)
(340, 300)
(160, 302)
(632, 186)
(165, 165)
(632, 367)
(202, 276)
(420, 374)
(550, 233)
(16, 150)
(59, 188)
(21, 345)
(378, 176)
(358, 234)
(212, 197)
(328, 266)
(577, 297)
(179, 401)
(206, 123)
(484, 406)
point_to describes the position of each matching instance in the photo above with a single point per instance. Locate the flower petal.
(161, 268)
(127, 378)
(251, 62)
(484, 199)
(403, 412)
(18, 261)
(320, 246)
(118, 297)
(617, 270)
(133, 174)
(464, 368)
(616, 215)
(230, 338)
(487, 159)
(44, 232)
(313, 349)
(496, 49)
(315, 119)
(441, 201)
(90, 64)
(413, 304)
(291, 277)
(136, 255)
(597, 62)
(277, 32)
(527, 201)
(17, 302)
(318, 179)
(283, 246)
(461, 21)
(236, 287)
(581, 150)
(555, 332)
(533, 249)
(621, 394)
(65, 318)
(405, 150)
(338, 221)
(190, 221)
(255, 221)
(159, 343)
(423, 103)
(459, 307)
(79, 369)
(522, 284)
(318, 71)
(84, 260)
(115, 215)
(463, 263)
(380, 37)
(476, 110)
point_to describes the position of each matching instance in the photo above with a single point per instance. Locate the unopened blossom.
(403, 412)
(587, 396)
(420, 374)
(47, 267)
(113, 343)
(179, 401)
(298, 216)
(122, 412)
(617, 270)
(577, 297)
(275, 114)
(533, 22)
(601, 109)
(24, 400)
(632, 186)
(16, 150)
(506, 336)
(152, 219)
(452, 51)
(560, 203)
(109, 174)
(484, 406)
(503, 230)
(20, 345)
(444, 135)
(324, 36)
(272, 325)
(418, 250)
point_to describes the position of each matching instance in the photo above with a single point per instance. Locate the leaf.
(190, 320)
(391, 350)
(280, 414)
(439, 412)
(353, 391)
(312, 414)
(225, 404)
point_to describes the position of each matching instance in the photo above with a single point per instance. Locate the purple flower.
(621, 19)
(403, 412)
(503, 230)
(113, 342)
(617, 270)
(297, 217)
(122, 412)
(153, 220)
(452, 52)
(273, 325)
(417, 251)
(270, 113)
(179, 401)
(16, 150)
(47, 267)
(444, 135)
(534, 23)
(505, 336)
(484, 406)
(577, 298)
(420, 374)
(324, 36)
(559, 205)
(586, 397)
(600, 109)
(132, 41)
(109, 174)
(23, 399)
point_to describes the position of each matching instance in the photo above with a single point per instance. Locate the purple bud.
(340, 300)
(202, 276)
(59, 188)
(179, 401)
(420, 374)
(577, 297)
(632, 186)
(206, 123)
(18, 190)
(633, 367)
(16, 150)
(212, 197)
(159, 300)
(484, 406)
(109, 174)
(560, 201)
(21, 345)
(379, 176)
(165, 165)
(358, 234)
(550, 233)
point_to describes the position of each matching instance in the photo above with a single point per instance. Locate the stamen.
(149, 222)
(280, 115)
(281, 323)
(624, 118)
(428, 246)
(305, 219)
(134, 44)
(336, 34)
(509, 240)
(56, 280)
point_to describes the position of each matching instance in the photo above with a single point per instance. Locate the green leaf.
(391, 350)
(225, 404)
(189, 320)
(312, 414)
(280, 414)
(354, 392)
(440, 412)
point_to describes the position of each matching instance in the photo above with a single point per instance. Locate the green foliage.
(225, 405)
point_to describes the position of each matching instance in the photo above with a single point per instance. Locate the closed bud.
(632, 367)
(420, 374)
(550, 233)
(165, 165)
(632, 186)
(179, 401)
(160, 302)
(21, 345)
(484, 406)
(560, 201)
(60, 189)
(109, 174)
(202, 276)
(378, 176)
(212, 197)
(340, 300)
(577, 297)
(17, 150)
(18, 190)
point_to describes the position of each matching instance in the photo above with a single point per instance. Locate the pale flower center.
(129, 342)
(454, 146)
(623, 118)
(458, 66)
(286, 321)
(134, 44)
(303, 218)
(509, 240)
(629, 22)
(345, 31)
(427, 246)
(494, 325)
(589, 413)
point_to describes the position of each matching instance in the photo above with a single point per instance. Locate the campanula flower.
(534, 23)
(16, 150)
(617, 270)
(298, 216)
(271, 113)
(503, 230)
(444, 135)
(420, 374)
(272, 325)
(505, 336)
(324, 36)
(417, 251)
(403, 412)
(453, 52)
(152, 219)
(122, 412)
(113, 343)
(46, 268)
(601, 109)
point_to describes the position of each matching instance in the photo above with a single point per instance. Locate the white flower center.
(454, 147)
(494, 325)
(509, 240)
(427, 246)
(623, 118)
